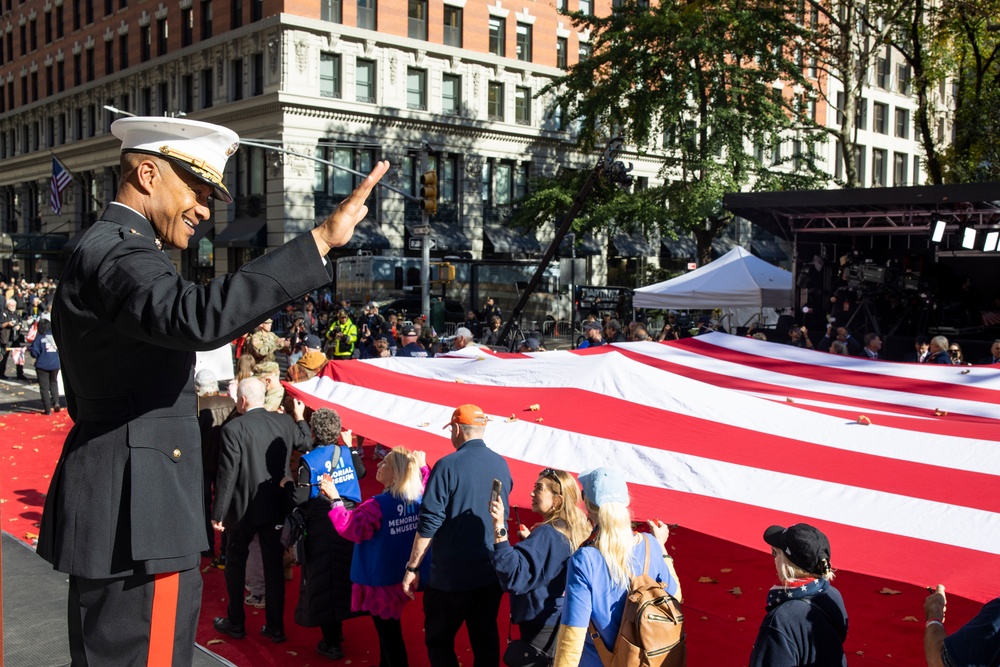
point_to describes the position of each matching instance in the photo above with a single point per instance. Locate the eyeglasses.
(550, 473)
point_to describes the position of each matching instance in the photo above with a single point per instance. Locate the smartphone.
(495, 493)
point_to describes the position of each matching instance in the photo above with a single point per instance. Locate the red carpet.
(724, 585)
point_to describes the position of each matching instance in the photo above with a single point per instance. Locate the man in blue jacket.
(455, 514)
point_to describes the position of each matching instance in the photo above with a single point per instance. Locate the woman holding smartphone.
(534, 571)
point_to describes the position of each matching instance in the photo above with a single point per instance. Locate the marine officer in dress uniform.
(124, 515)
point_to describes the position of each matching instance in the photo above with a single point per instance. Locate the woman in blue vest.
(383, 528)
(46, 355)
(325, 589)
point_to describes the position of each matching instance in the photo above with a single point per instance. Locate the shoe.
(46, 411)
(277, 636)
(219, 562)
(58, 409)
(227, 627)
(331, 651)
(255, 601)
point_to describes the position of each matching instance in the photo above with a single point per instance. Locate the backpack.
(652, 628)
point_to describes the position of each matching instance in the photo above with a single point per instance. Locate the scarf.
(800, 588)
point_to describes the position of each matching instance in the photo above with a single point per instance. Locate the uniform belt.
(126, 408)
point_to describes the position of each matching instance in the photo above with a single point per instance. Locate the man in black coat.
(124, 515)
(249, 500)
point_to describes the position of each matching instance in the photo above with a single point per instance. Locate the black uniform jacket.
(253, 460)
(126, 495)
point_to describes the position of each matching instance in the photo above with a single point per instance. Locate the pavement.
(20, 395)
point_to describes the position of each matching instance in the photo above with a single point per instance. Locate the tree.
(971, 34)
(710, 89)
(846, 39)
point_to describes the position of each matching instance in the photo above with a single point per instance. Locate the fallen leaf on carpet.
(423, 424)
(740, 619)
(215, 641)
(534, 407)
(889, 591)
(31, 536)
(45, 476)
(512, 418)
(707, 580)
(704, 618)
(737, 591)
(911, 619)
(539, 420)
(291, 652)
(726, 569)
(2, 501)
(36, 450)
(206, 569)
(460, 381)
(860, 652)
(17, 447)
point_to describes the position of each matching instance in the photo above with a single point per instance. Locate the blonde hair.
(615, 540)
(789, 571)
(406, 483)
(568, 518)
(244, 369)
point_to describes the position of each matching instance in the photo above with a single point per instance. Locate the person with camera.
(342, 336)
(490, 310)
(11, 335)
(798, 336)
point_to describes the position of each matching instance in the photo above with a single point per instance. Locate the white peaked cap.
(200, 148)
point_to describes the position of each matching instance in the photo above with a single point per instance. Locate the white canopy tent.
(735, 280)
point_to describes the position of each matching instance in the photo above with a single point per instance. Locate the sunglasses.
(550, 473)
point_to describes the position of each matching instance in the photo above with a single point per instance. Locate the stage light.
(992, 238)
(968, 238)
(938, 232)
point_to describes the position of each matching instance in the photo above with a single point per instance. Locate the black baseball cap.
(802, 544)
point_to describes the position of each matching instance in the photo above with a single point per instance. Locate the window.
(48, 27)
(861, 116)
(494, 101)
(187, 93)
(331, 10)
(187, 27)
(916, 170)
(256, 10)
(522, 106)
(860, 153)
(879, 166)
(416, 12)
(451, 94)
(339, 183)
(902, 123)
(903, 76)
(206, 19)
(237, 79)
(364, 90)
(207, 87)
(447, 180)
(162, 35)
(146, 101)
(562, 47)
(60, 75)
(524, 42)
(49, 89)
(452, 26)
(882, 73)
(329, 75)
(123, 50)
(145, 42)
(586, 7)
(60, 18)
(498, 27)
(366, 14)
(90, 64)
(900, 162)
(77, 69)
(24, 40)
(34, 33)
(236, 13)
(584, 52)
(258, 74)
(880, 122)
(840, 107)
(416, 89)
(34, 86)
(109, 57)
(163, 97)
(109, 7)
(1, 50)
(77, 15)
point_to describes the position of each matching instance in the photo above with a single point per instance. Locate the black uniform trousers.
(240, 536)
(444, 614)
(143, 619)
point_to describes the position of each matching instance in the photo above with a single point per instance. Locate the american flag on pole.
(899, 464)
(61, 177)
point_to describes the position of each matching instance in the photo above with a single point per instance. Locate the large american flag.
(728, 435)
(61, 177)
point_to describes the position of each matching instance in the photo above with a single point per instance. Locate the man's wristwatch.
(501, 532)
(414, 570)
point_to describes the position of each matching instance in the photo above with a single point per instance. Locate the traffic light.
(446, 272)
(429, 192)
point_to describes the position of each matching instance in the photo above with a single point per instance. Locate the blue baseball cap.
(604, 485)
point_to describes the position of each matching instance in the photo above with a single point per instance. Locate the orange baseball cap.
(468, 414)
